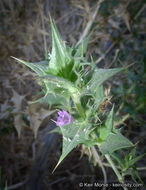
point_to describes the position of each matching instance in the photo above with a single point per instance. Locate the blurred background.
(28, 154)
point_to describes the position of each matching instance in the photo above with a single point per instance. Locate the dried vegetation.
(117, 39)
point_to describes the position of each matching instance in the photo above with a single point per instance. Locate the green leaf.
(82, 47)
(119, 159)
(59, 57)
(135, 172)
(134, 160)
(41, 68)
(60, 83)
(114, 142)
(132, 153)
(99, 76)
(107, 129)
(99, 96)
(73, 135)
(71, 90)
(52, 99)
(131, 158)
(109, 120)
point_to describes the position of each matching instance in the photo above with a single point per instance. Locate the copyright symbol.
(80, 184)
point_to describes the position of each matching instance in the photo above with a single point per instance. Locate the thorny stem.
(120, 178)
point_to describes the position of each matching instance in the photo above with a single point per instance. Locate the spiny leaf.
(109, 120)
(114, 142)
(133, 152)
(52, 99)
(82, 47)
(60, 83)
(59, 55)
(134, 160)
(74, 134)
(18, 121)
(107, 129)
(71, 90)
(40, 68)
(99, 76)
(99, 96)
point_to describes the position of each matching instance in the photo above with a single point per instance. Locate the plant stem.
(120, 178)
(77, 102)
(98, 160)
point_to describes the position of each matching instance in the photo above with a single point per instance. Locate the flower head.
(64, 118)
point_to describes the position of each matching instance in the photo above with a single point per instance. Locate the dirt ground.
(28, 153)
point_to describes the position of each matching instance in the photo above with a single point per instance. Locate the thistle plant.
(74, 86)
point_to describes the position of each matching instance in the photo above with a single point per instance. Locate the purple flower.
(64, 118)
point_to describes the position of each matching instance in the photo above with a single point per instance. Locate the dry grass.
(25, 33)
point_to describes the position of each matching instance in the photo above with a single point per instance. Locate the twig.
(43, 26)
(127, 116)
(107, 51)
(124, 118)
(115, 42)
(115, 57)
(140, 11)
(65, 15)
(16, 185)
(97, 158)
(89, 24)
(141, 168)
(57, 181)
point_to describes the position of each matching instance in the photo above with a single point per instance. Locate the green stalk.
(120, 178)
(77, 102)
(79, 107)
